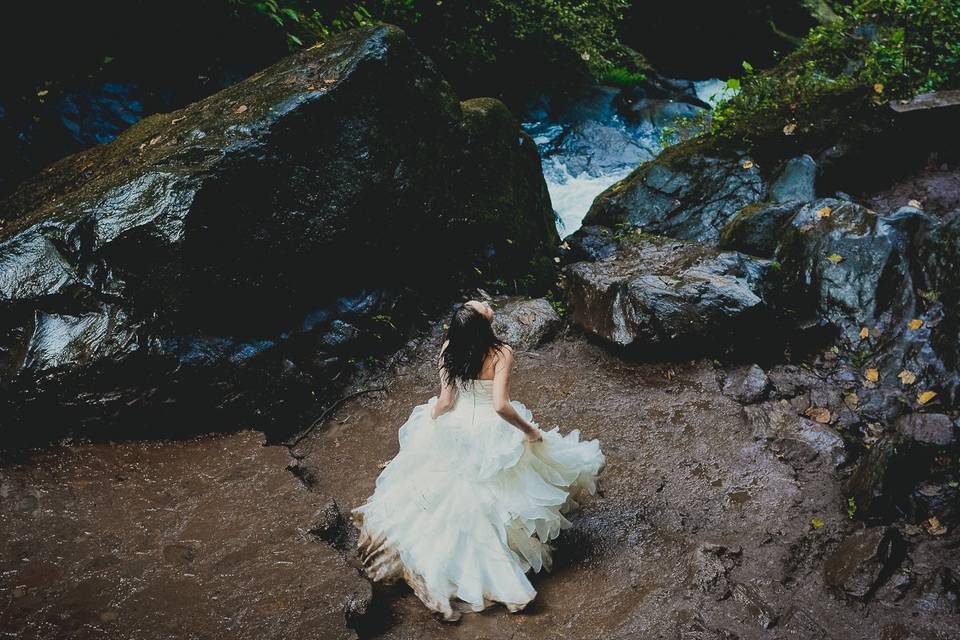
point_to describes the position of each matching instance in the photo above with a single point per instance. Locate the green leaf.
(747, 67)
(733, 84)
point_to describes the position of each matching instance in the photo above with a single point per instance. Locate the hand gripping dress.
(468, 506)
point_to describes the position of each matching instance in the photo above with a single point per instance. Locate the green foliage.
(851, 507)
(305, 21)
(481, 40)
(621, 77)
(879, 50)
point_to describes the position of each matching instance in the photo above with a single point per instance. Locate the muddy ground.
(704, 528)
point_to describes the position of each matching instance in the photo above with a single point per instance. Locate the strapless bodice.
(480, 391)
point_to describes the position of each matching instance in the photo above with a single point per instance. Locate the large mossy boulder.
(248, 243)
(684, 193)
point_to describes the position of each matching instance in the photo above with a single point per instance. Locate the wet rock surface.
(928, 428)
(188, 263)
(796, 181)
(863, 561)
(523, 323)
(682, 195)
(656, 292)
(746, 385)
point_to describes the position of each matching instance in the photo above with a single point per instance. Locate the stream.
(590, 143)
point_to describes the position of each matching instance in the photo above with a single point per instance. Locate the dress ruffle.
(468, 506)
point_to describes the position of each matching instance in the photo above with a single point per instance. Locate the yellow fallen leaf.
(747, 164)
(915, 324)
(852, 401)
(819, 414)
(878, 88)
(907, 377)
(864, 333)
(241, 108)
(872, 375)
(824, 213)
(42, 92)
(816, 523)
(789, 128)
(565, 245)
(926, 396)
(835, 258)
(934, 527)
(557, 260)
(916, 204)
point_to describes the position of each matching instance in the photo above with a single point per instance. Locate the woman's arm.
(445, 401)
(501, 396)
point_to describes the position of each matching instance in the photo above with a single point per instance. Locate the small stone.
(327, 523)
(748, 385)
(928, 428)
(863, 562)
(796, 181)
(760, 610)
(524, 323)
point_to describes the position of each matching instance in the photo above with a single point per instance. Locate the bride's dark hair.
(469, 339)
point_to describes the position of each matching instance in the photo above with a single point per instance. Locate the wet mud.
(704, 527)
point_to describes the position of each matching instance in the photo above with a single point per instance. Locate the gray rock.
(864, 561)
(591, 242)
(756, 605)
(928, 428)
(796, 181)
(870, 484)
(327, 523)
(799, 441)
(867, 275)
(681, 195)
(329, 181)
(523, 323)
(758, 229)
(746, 385)
(656, 291)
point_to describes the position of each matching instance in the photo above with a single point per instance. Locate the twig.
(326, 412)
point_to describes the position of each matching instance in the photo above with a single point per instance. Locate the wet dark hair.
(469, 339)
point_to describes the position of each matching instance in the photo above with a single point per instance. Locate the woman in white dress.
(477, 491)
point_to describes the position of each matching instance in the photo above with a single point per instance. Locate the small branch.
(326, 412)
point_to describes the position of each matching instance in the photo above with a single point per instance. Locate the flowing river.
(590, 143)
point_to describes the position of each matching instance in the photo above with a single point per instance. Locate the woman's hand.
(534, 436)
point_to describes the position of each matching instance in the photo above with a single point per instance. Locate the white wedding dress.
(468, 505)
